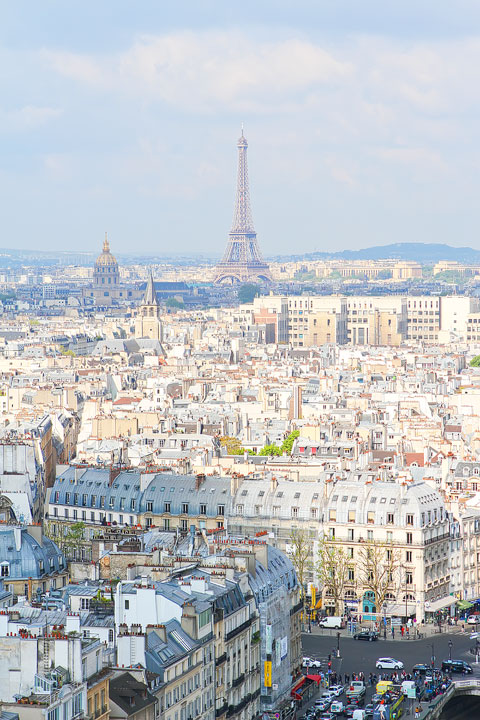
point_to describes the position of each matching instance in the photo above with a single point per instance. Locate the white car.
(337, 689)
(389, 664)
(328, 695)
(311, 663)
(473, 620)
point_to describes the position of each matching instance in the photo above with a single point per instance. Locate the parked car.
(473, 619)
(369, 635)
(388, 663)
(457, 666)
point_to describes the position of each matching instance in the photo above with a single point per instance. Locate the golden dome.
(106, 258)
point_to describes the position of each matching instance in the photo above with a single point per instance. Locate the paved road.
(357, 655)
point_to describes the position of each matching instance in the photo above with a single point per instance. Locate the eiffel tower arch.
(242, 261)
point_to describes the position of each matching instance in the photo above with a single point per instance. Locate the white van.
(331, 622)
(359, 714)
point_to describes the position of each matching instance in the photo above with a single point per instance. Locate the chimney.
(160, 630)
(200, 478)
(273, 484)
(114, 472)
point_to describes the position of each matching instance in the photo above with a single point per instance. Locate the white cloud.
(210, 71)
(27, 117)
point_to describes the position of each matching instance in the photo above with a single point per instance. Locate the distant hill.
(422, 252)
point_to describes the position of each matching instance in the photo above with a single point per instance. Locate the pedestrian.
(417, 712)
(402, 630)
(393, 633)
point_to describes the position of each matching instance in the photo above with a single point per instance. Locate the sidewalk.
(425, 631)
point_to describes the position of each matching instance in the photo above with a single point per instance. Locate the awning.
(434, 605)
(316, 678)
(464, 604)
(398, 609)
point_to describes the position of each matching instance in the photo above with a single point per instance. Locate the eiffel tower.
(242, 261)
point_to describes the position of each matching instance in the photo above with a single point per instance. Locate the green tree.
(174, 303)
(247, 292)
(475, 362)
(270, 450)
(379, 570)
(288, 442)
(67, 537)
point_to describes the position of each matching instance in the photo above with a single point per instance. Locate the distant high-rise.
(242, 261)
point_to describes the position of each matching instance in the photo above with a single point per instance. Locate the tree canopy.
(247, 292)
(475, 362)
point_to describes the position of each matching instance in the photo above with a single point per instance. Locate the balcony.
(236, 631)
(221, 659)
(238, 681)
(221, 710)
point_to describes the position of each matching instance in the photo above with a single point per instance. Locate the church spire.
(106, 246)
(150, 297)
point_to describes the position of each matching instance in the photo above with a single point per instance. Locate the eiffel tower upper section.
(242, 261)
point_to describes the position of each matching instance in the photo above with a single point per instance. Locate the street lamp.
(450, 645)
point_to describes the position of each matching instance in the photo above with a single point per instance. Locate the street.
(360, 656)
(357, 655)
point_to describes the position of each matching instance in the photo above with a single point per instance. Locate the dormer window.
(4, 569)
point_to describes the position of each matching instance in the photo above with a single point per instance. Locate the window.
(127, 605)
(408, 577)
(351, 574)
(408, 556)
(332, 515)
(185, 508)
(166, 523)
(67, 498)
(149, 506)
(351, 516)
(370, 516)
(313, 513)
(390, 518)
(369, 534)
(331, 533)
(102, 501)
(5, 569)
(84, 499)
(350, 553)
(409, 538)
(240, 510)
(166, 507)
(351, 534)
(122, 503)
(75, 498)
(221, 510)
(294, 512)
(409, 519)
(132, 504)
(203, 509)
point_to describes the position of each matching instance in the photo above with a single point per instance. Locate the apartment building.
(409, 517)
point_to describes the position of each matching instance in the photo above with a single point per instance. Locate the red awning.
(315, 678)
(298, 689)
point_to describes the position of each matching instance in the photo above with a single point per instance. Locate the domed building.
(107, 288)
(106, 271)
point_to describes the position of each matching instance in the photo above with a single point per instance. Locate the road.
(360, 656)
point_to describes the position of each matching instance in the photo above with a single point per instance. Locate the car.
(421, 669)
(376, 697)
(369, 710)
(388, 663)
(337, 689)
(457, 666)
(473, 620)
(322, 705)
(337, 707)
(328, 695)
(327, 716)
(357, 701)
(369, 635)
(350, 709)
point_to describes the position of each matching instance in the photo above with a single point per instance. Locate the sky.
(362, 120)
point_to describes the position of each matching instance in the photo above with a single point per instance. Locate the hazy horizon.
(361, 121)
